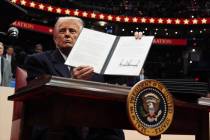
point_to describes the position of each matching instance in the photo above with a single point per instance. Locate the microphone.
(13, 32)
(10, 36)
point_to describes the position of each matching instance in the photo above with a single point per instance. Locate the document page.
(92, 48)
(129, 56)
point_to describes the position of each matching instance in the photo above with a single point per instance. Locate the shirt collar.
(62, 54)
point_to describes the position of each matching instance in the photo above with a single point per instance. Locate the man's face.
(1, 49)
(38, 48)
(10, 51)
(66, 33)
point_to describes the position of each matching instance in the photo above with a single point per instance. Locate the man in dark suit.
(66, 32)
(10, 57)
(5, 69)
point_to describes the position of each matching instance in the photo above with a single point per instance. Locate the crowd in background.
(9, 62)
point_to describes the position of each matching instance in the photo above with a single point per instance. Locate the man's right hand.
(82, 72)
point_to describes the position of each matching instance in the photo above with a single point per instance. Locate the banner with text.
(49, 30)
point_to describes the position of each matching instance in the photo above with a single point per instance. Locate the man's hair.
(38, 45)
(1, 43)
(10, 47)
(60, 19)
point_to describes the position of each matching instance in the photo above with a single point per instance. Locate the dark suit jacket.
(51, 63)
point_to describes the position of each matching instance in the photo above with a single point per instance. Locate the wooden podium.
(60, 102)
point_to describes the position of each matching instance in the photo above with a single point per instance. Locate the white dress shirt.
(64, 57)
(9, 58)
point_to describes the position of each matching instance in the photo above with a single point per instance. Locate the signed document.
(110, 54)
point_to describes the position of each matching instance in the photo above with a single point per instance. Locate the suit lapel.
(58, 64)
(2, 66)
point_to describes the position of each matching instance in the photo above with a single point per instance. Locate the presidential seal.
(150, 107)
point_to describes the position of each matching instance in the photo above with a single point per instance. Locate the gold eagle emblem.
(151, 104)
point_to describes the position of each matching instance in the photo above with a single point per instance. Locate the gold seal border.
(135, 90)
